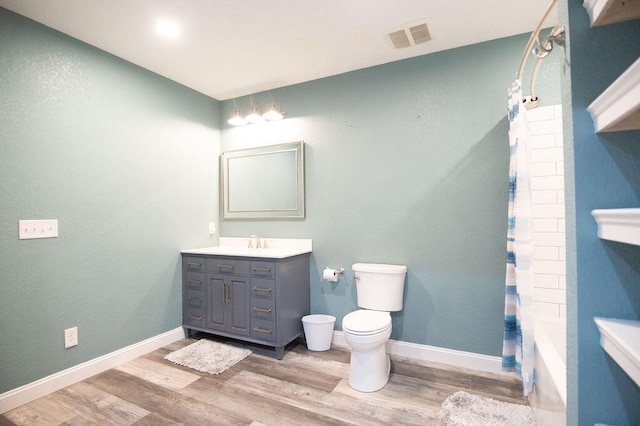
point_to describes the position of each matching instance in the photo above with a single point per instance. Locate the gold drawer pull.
(197, 283)
(195, 318)
(256, 309)
(197, 300)
(262, 270)
(221, 267)
(194, 266)
(266, 290)
(261, 330)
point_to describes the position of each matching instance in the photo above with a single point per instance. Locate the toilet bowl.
(366, 333)
(379, 289)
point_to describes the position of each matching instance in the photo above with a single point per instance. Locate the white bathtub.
(549, 396)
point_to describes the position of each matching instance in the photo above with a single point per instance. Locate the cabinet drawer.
(263, 289)
(262, 309)
(194, 308)
(195, 264)
(263, 269)
(263, 330)
(194, 317)
(195, 299)
(196, 280)
(228, 266)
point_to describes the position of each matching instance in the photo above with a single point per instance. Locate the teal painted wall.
(406, 163)
(603, 275)
(127, 162)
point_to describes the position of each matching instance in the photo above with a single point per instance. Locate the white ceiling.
(231, 48)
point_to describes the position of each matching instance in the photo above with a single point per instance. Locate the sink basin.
(273, 253)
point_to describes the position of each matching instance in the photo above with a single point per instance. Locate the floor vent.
(409, 35)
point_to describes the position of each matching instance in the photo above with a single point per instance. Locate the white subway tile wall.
(547, 187)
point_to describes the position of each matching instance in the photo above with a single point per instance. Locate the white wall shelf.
(621, 340)
(605, 12)
(622, 225)
(618, 107)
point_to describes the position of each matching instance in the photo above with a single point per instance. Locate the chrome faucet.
(251, 237)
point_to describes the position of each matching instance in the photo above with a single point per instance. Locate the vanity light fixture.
(274, 113)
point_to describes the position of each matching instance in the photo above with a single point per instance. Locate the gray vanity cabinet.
(227, 301)
(259, 300)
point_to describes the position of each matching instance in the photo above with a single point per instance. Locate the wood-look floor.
(305, 388)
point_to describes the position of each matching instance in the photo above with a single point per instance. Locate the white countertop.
(278, 248)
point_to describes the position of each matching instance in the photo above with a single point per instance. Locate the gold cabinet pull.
(194, 266)
(194, 284)
(225, 294)
(195, 318)
(228, 267)
(262, 270)
(261, 330)
(265, 310)
(263, 289)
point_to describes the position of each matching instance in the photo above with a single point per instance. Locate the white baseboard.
(32, 391)
(491, 364)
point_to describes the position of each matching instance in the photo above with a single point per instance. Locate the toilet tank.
(379, 287)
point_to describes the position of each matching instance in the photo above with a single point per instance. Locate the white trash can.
(318, 331)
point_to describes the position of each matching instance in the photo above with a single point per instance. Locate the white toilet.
(380, 289)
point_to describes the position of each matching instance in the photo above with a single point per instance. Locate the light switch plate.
(44, 228)
(212, 228)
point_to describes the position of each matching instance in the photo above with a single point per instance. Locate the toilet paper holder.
(331, 275)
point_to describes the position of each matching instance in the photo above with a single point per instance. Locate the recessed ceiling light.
(167, 29)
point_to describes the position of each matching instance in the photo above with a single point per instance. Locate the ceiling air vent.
(399, 39)
(409, 35)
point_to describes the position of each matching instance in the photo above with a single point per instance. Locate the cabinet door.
(238, 305)
(216, 296)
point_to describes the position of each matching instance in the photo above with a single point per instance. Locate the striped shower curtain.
(517, 350)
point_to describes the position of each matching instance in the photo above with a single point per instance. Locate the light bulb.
(275, 113)
(168, 29)
(237, 119)
(255, 116)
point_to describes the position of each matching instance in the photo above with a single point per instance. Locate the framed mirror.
(264, 183)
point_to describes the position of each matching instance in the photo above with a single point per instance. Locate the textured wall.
(603, 276)
(127, 162)
(407, 163)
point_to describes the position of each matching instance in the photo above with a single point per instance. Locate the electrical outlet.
(212, 228)
(70, 337)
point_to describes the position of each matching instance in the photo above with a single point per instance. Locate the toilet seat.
(365, 322)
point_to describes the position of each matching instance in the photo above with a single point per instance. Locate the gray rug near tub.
(464, 409)
(208, 356)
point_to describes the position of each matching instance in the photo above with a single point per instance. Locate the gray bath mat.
(208, 356)
(463, 409)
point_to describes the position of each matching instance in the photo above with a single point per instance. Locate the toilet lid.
(364, 321)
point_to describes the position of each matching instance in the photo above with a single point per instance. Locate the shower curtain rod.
(556, 35)
(533, 38)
